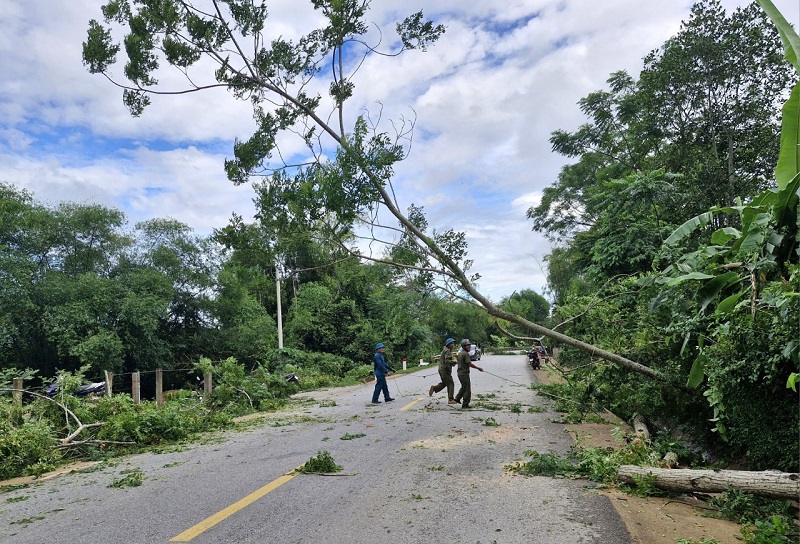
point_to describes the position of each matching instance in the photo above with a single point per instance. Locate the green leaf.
(725, 235)
(789, 157)
(688, 227)
(729, 303)
(790, 39)
(688, 277)
(755, 237)
(711, 289)
(698, 372)
(791, 383)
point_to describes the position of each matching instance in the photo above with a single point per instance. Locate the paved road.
(423, 472)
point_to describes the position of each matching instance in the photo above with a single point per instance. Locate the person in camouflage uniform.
(464, 364)
(445, 372)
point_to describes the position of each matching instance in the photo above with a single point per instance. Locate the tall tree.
(713, 94)
(706, 106)
(191, 264)
(348, 178)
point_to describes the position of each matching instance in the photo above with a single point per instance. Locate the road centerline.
(225, 513)
(410, 404)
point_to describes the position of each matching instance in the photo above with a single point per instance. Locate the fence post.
(136, 392)
(109, 382)
(18, 394)
(159, 387)
(207, 386)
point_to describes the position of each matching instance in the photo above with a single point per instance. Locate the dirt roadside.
(650, 520)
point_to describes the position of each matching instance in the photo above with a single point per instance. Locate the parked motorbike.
(96, 388)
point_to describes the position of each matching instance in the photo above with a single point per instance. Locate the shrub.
(359, 374)
(148, 424)
(29, 448)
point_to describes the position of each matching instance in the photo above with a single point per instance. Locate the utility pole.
(278, 295)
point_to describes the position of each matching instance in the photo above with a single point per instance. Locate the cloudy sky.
(485, 99)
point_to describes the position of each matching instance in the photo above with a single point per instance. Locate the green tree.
(88, 238)
(246, 330)
(349, 177)
(191, 263)
(711, 94)
(528, 304)
(611, 146)
(704, 106)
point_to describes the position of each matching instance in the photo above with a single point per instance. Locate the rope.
(506, 379)
(397, 386)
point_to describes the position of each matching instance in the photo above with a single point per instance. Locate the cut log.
(768, 483)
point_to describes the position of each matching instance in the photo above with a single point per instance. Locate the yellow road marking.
(410, 404)
(210, 521)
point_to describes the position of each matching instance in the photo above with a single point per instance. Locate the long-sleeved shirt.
(446, 360)
(382, 368)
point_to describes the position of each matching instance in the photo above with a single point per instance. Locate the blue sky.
(485, 100)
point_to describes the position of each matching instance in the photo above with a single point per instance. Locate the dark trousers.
(465, 393)
(446, 381)
(380, 385)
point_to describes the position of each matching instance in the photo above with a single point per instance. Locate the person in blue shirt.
(382, 368)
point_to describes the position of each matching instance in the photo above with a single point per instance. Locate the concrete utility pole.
(278, 295)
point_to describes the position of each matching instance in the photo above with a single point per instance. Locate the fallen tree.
(69, 440)
(769, 483)
(343, 184)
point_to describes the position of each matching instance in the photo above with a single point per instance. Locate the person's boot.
(430, 391)
(452, 401)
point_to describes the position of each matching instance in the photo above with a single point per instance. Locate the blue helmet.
(379, 345)
(449, 341)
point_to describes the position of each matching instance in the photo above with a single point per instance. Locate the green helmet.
(465, 342)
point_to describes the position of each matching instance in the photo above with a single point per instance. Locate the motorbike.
(533, 360)
(96, 388)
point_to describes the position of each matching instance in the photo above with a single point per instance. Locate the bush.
(308, 362)
(148, 424)
(359, 374)
(29, 448)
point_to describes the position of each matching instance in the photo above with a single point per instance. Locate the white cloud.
(484, 99)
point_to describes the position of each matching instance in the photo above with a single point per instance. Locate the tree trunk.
(769, 483)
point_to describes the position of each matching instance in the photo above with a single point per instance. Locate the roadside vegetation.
(674, 287)
(763, 520)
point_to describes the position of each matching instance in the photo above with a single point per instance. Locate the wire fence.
(156, 384)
